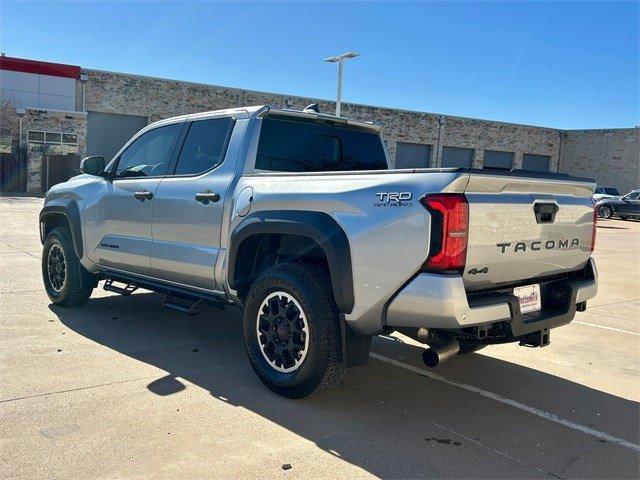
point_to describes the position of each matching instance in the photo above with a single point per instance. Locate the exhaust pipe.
(442, 346)
(438, 353)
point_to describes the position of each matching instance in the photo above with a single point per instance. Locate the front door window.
(149, 154)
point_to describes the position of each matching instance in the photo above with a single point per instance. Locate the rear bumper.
(440, 301)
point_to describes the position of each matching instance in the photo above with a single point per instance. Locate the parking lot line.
(507, 401)
(608, 328)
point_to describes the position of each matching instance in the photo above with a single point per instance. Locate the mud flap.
(355, 347)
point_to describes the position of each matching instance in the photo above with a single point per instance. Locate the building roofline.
(38, 67)
(73, 71)
(601, 129)
(361, 105)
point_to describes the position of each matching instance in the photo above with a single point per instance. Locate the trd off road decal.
(393, 199)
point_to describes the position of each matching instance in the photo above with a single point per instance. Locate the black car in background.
(627, 206)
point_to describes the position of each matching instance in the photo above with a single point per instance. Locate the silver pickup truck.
(296, 217)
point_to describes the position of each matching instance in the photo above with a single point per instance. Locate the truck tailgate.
(523, 227)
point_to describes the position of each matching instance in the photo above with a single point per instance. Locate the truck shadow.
(382, 419)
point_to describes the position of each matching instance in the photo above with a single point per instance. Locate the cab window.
(149, 154)
(302, 146)
(204, 146)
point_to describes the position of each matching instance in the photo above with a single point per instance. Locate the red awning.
(41, 68)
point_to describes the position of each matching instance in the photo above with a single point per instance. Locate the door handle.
(142, 196)
(206, 197)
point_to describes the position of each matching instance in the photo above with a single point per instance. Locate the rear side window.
(204, 146)
(293, 146)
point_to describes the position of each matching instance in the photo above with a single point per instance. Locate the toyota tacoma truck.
(297, 218)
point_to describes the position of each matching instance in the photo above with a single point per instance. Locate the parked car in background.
(605, 192)
(624, 207)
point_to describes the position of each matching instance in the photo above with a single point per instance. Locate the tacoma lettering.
(536, 245)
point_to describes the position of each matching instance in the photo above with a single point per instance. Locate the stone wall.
(9, 127)
(158, 98)
(611, 156)
(53, 121)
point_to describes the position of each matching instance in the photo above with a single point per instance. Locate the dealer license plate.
(529, 297)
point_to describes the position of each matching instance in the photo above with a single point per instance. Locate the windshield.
(632, 195)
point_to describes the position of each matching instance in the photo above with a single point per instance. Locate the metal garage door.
(497, 159)
(457, 157)
(107, 132)
(413, 155)
(537, 163)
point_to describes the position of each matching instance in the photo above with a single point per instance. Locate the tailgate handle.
(545, 212)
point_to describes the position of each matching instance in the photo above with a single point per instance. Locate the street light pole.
(339, 94)
(339, 59)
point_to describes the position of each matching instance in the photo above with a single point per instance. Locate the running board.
(187, 306)
(180, 299)
(125, 291)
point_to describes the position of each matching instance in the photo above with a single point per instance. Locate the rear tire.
(292, 330)
(605, 212)
(66, 281)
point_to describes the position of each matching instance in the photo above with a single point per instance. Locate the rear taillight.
(449, 230)
(593, 232)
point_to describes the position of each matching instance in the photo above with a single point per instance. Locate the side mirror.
(93, 165)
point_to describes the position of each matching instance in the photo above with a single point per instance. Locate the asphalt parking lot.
(121, 388)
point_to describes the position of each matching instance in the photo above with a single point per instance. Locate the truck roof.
(268, 110)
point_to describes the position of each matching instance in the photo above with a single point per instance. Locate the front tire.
(292, 330)
(66, 281)
(605, 212)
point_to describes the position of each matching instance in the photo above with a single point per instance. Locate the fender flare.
(69, 208)
(318, 226)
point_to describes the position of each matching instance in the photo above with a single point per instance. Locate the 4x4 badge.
(475, 271)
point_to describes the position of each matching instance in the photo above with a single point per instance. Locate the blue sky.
(565, 65)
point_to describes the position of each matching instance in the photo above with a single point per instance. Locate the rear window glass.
(294, 146)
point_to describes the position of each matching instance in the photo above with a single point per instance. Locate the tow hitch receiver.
(536, 339)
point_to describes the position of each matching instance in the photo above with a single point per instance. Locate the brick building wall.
(52, 121)
(611, 156)
(159, 98)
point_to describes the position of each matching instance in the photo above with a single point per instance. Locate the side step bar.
(183, 300)
(189, 307)
(124, 291)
